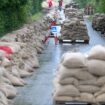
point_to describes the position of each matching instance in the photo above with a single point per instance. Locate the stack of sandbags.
(74, 30)
(74, 13)
(7, 91)
(98, 22)
(96, 66)
(71, 83)
(81, 78)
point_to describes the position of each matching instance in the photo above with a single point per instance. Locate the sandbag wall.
(19, 57)
(98, 22)
(74, 27)
(81, 77)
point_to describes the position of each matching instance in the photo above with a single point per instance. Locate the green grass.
(36, 16)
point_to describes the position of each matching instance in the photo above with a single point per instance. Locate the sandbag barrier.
(98, 22)
(74, 29)
(81, 77)
(19, 57)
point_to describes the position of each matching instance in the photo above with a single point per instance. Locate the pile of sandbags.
(19, 57)
(72, 5)
(74, 29)
(98, 22)
(81, 78)
(74, 13)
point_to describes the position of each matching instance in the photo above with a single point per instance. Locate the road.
(40, 86)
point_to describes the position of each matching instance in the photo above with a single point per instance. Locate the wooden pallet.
(76, 103)
(73, 41)
(71, 103)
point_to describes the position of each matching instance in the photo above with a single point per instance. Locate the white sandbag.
(88, 88)
(33, 62)
(15, 71)
(102, 90)
(68, 72)
(62, 98)
(96, 67)
(87, 97)
(5, 80)
(11, 92)
(3, 99)
(27, 67)
(97, 52)
(74, 60)
(14, 80)
(69, 81)
(65, 90)
(100, 98)
(84, 75)
(39, 50)
(24, 74)
(101, 81)
(89, 82)
(8, 90)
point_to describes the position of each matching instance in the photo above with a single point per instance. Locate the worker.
(50, 3)
(60, 4)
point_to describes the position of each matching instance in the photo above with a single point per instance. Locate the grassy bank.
(37, 16)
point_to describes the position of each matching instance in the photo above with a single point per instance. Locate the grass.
(36, 16)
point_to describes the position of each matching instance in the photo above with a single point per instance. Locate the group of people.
(60, 2)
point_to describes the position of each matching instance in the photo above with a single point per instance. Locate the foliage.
(14, 13)
(99, 5)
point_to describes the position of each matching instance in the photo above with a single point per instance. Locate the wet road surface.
(40, 86)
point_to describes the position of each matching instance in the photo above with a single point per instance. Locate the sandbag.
(3, 99)
(5, 80)
(27, 67)
(89, 82)
(24, 74)
(100, 98)
(15, 80)
(68, 72)
(62, 98)
(87, 97)
(74, 60)
(69, 81)
(84, 75)
(102, 90)
(101, 81)
(96, 67)
(65, 90)
(88, 88)
(15, 71)
(8, 90)
(97, 52)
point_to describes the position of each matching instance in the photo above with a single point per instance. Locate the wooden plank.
(74, 41)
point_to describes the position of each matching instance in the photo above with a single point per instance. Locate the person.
(50, 3)
(60, 4)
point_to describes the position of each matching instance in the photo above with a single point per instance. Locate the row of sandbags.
(98, 22)
(25, 45)
(81, 77)
(74, 29)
